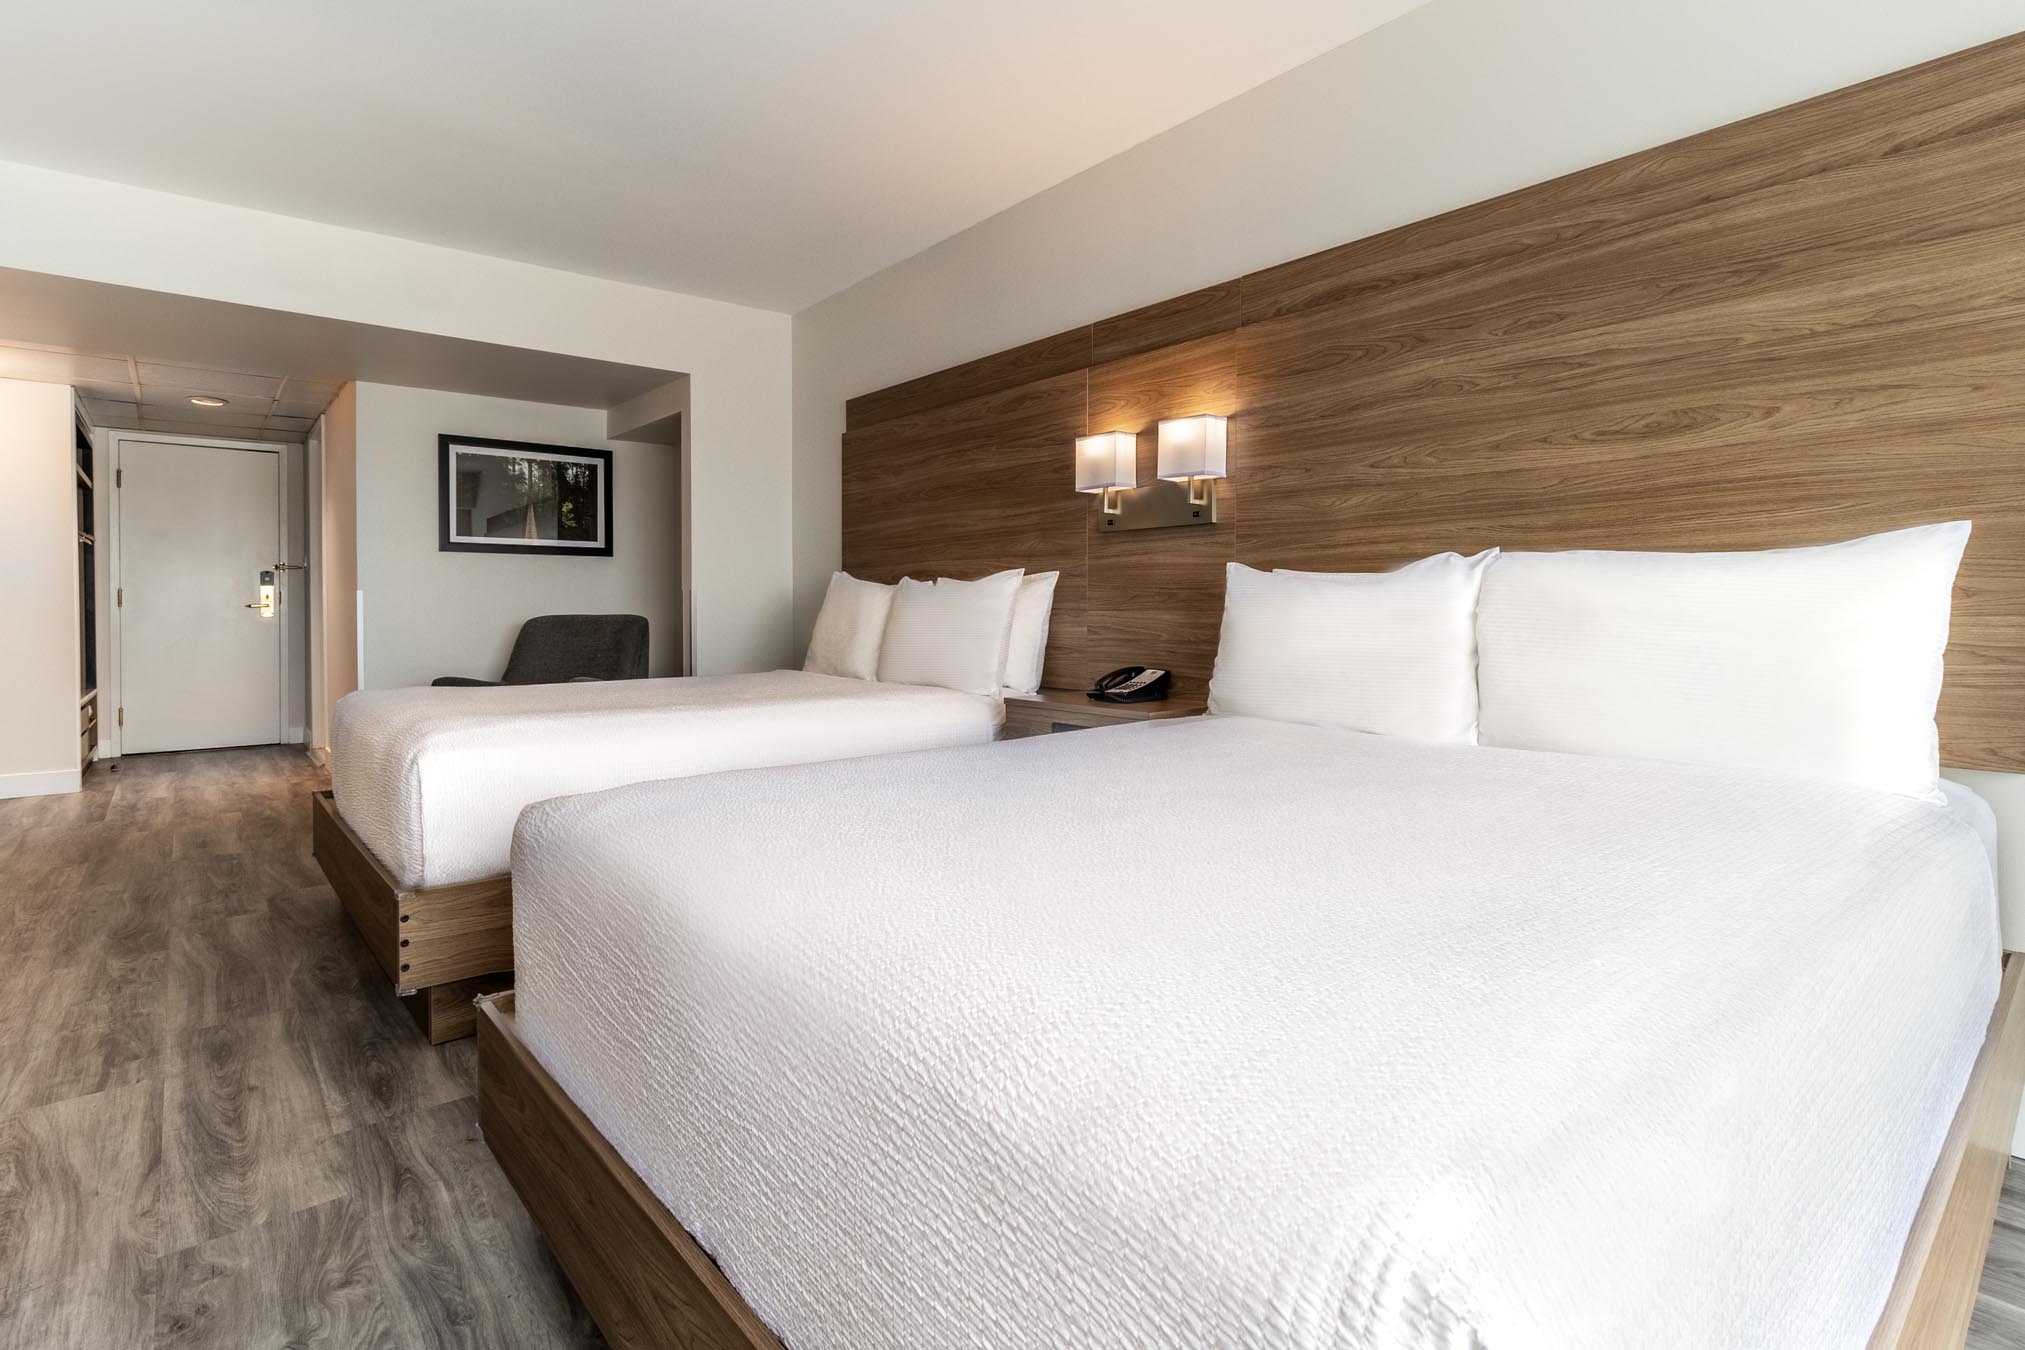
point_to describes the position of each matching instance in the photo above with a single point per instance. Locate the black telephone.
(1131, 684)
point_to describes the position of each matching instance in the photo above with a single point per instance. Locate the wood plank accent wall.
(1795, 329)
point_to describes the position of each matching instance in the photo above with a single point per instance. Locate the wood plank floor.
(2000, 1306)
(217, 1125)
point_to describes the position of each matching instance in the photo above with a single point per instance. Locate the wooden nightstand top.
(1072, 710)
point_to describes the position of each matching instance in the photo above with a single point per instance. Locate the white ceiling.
(138, 356)
(770, 152)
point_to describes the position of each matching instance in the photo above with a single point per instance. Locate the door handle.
(255, 604)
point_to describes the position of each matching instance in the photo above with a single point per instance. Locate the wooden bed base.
(649, 1284)
(1935, 1293)
(442, 946)
(638, 1271)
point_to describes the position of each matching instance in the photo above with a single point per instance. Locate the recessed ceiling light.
(206, 401)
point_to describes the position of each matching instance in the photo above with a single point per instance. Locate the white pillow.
(1393, 653)
(1824, 662)
(1418, 564)
(850, 628)
(1027, 650)
(950, 633)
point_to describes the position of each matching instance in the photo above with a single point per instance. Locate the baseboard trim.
(319, 756)
(294, 736)
(41, 784)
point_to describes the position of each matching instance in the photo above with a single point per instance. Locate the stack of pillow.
(1821, 662)
(981, 637)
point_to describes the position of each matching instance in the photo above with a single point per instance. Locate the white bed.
(1236, 1033)
(433, 779)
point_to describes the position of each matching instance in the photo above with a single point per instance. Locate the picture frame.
(495, 496)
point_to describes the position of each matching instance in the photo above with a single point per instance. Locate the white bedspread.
(1230, 1033)
(433, 779)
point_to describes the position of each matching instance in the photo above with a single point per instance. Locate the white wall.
(38, 591)
(1452, 103)
(431, 613)
(738, 359)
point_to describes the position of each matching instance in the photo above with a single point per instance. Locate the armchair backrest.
(556, 648)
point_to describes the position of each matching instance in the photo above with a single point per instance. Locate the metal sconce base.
(1159, 506)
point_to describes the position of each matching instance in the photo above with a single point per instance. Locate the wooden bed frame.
(442, 946)
(648, 1283)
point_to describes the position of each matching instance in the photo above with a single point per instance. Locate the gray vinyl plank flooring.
(218, 1127)
(1999, 1323)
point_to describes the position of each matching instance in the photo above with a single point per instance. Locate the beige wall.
(431, 613)
(1452, 103)
(38, 591)
(337, 606)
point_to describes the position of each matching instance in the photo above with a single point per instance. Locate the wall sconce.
(1192, 450)
(1107, 463)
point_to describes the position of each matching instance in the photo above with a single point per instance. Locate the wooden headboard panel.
(1792, 330)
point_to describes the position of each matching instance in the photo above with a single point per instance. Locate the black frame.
(445, 499)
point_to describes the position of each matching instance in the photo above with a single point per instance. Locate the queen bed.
(1530, 950)
(1424, 1046)
(426, 785)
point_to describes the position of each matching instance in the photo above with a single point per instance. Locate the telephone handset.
(1131, 684)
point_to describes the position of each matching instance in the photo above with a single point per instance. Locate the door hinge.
(122, 721)
(119, 478)
(120, 598)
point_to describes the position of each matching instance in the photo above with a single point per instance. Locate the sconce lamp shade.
(1109, 460)
(1192, 447)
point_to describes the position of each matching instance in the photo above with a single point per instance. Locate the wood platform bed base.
(442, 946)
(649, 1284)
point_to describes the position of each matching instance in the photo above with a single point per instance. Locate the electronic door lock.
(265, 604)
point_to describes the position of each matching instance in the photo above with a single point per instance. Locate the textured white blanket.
(433, 779)
(1229, 1033)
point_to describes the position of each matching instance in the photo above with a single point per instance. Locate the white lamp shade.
(1107, 460)
(1192, 447)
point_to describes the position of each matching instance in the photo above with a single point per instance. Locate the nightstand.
(1054, 710)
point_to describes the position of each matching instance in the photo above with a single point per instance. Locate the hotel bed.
(1235, 1032)
(426, 785)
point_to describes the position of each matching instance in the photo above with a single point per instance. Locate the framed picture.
(517, 497)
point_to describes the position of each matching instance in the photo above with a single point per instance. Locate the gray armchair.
(561, 648)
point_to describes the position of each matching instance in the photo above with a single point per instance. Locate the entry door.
(198, 667)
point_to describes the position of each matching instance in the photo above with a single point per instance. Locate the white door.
(198, 526)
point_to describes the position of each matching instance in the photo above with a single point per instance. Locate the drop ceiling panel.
(253, 414)
(58, 367)
(221, 383)
(320, 392)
